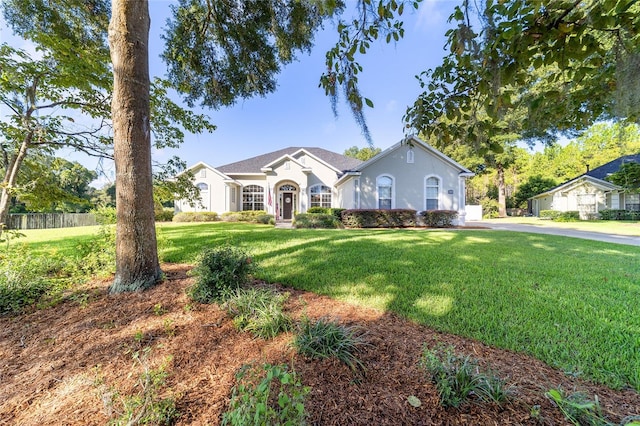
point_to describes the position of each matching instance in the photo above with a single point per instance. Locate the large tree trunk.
(502, 192)
(137, 265)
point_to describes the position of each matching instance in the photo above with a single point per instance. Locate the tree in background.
(533, 186)
(628, 177)
(362, 154)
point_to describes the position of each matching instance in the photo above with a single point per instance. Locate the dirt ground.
(68, 364)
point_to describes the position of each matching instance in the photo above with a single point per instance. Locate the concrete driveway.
(547, 229)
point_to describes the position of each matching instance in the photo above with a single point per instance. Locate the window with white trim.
(385, 192)
(410, 156)
(203, 186)
(432, 193)
(203, 173)
(320, 196)
(253, 197)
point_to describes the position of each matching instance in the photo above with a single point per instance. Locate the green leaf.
(368, 102)
(414, 401)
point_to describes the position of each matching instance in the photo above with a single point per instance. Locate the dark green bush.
(196, 217)
(619, 215)
(375, 218)
(337, 212)
(219, 271)
(570, 216)
(316, 220)
(439, 218)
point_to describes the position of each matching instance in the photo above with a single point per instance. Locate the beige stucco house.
(589, 193)
(410, 174)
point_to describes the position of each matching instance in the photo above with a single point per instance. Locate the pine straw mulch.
(63, 365)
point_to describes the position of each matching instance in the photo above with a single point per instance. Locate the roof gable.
(252, 165)
(415, 141)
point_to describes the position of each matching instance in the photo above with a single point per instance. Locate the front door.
(287, 205)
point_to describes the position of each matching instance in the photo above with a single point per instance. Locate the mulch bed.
(67, 364)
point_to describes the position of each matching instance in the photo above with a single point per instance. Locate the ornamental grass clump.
(219, 271)
(259, 311)
(324, 339)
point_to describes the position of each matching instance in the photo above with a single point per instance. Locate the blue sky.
(298, 113)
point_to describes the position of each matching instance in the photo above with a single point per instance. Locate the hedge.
(439, 218)
(196, 217)
(316, 220)
(374, 218)
(619, 215)
(337, 212)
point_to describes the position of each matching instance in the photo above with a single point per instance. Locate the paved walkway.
(597, 236)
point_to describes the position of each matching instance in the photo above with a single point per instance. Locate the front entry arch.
(287, 201)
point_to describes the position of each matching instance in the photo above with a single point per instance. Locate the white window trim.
(440, 189)
(410, 156)
(320, 185)
(393, 190)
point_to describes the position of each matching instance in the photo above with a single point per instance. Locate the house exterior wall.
(409, 180)
(215, 199)
(584, 198)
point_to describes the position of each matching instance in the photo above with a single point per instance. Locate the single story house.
(589, 193)
(410, 174)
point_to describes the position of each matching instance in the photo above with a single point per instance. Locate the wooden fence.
(50, 220)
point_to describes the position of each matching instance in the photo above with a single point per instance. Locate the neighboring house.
(411, 174)
(589, 193)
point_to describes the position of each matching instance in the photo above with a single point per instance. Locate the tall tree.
(137, 265)
(561, 62)
(362, 154)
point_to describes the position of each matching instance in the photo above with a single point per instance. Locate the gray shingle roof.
(254, 164)
(611, 167)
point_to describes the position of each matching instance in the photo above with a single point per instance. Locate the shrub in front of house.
(375, 218)
(337, 212)
(164, 215)
(316, 220)
(569, 216)
(619, 215)
(196, 217)
(218, 272)
(438, 218)
(254, 216)
(549, 214)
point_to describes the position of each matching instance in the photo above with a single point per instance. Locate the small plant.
(159, 310)
(323, 339)
(98, 256)
(146, 406)
(578, 408)
(493, 389)
(455, 377)
(169, 328)
(23, 279)
(267, 395)
(220, 271)
(258, 311)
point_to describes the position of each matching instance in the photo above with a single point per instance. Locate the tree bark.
(137, 266)
(502, 192)
(10, 179)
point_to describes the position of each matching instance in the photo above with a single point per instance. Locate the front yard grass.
(569, 302)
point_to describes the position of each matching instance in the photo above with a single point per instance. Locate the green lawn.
(572, 303)
(619, 227)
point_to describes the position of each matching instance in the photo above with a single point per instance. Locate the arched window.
(320, 196)
(253, 197)
(203, 186)
(410, 156)
(432, 193)
(385, 192)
